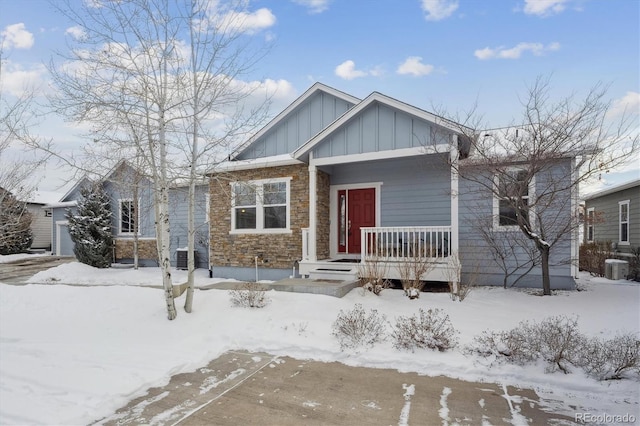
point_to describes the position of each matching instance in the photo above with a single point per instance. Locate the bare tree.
(533, 169)
(159, 79)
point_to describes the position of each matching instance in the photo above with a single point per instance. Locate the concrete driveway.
(241, 388)
(19, 271)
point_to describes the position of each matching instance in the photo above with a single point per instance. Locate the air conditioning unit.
(616, 269)
(182, 259)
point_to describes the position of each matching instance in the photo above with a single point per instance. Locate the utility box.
(616, 269)
(182, 260)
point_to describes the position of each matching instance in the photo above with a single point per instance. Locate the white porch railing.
(405, 242)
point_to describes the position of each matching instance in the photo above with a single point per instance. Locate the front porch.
(391, 248)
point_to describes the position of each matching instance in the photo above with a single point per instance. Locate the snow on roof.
(61, 204)
(272, 161)
(612, 189)
(44, 197)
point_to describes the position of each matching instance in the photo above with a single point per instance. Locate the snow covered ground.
(73, 354)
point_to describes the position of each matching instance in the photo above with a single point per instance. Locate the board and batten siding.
(299, 126)
(381, 128)
(415, 191)
(606, 208)
(476, 210)
(178, 213)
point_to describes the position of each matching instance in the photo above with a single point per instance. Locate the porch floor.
(333, 288)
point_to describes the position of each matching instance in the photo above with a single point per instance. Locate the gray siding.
(118, 191)
(476, 212)
(309, 118)
(606, 229)
(178, 211)
(415, 191)
(380, 128)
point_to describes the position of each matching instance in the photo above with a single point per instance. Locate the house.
(131, 203)
(333, 181)
(41, 218)
(613, 216)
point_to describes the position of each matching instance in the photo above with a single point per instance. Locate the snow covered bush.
(250, 295)
(15, 225)
(431, 329)
(90, 227)
(356, 328)
(607, 359)
(512, 345)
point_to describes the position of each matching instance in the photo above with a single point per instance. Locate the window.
(591, 218)
(623, 207)
(512, 198)
(128, 217)
(260, 206)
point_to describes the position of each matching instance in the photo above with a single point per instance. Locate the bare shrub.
(431, 329)
(592, 257)
(613, 358)
(411, 271)
(355, 328)
(460, 288)
(249, 295)
(372, 273)
(512, 345)
(555, 340)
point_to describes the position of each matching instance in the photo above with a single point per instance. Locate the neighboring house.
(41, 218)
(613, 216)
(333, 180)
(132, 209)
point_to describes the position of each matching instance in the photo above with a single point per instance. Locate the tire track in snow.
(410, 390)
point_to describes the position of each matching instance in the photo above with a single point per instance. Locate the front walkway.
(241, 388)
(335, 288)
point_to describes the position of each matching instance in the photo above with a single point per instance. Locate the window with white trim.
(591, 218)
(623, 216)
(512, 198)
(128, 223)
(260, 206)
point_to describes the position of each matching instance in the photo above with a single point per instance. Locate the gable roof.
(613, 189)
(304, 150)
(317, 87)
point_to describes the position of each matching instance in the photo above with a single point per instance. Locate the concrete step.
(334, 273)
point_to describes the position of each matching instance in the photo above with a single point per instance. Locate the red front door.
(356, 209)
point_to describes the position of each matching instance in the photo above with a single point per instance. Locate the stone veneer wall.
(147, 248)
(278, 250)
(323, 213)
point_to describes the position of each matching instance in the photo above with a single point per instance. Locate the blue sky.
(427, 53)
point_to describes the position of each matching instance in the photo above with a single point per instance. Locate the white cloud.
(348, 71)
(628, 104)
(76, 32)
(413, 66)
(544, 7)
(249, 22)
(17, 81)
(16, 36)
(314, 6)
(537, 49)
(439, 9)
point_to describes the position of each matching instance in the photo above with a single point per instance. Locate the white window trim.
(260, 208)
(120, 201)
(590, 224)
(620, 204)
(496, 202)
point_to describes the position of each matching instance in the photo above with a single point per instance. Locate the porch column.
(454, 194)
(313, 178)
